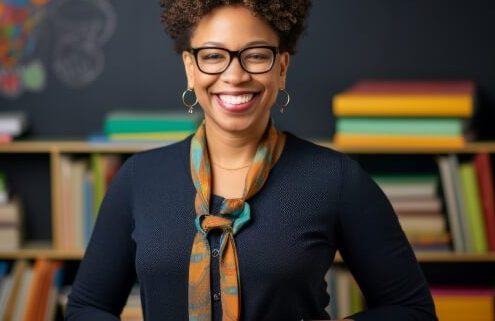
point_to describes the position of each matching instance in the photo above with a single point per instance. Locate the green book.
(146, 122)
(474, 212)
(97, 168)
(3, 188)
(400, 126)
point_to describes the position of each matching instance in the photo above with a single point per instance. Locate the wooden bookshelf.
(55, 148)
(80, 146)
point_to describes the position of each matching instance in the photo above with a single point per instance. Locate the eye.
(211, 56)
(257, 55)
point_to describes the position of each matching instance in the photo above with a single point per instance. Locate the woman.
(241, 221)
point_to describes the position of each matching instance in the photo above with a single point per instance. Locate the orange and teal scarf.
(234, 213)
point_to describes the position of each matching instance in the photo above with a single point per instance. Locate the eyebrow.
(251, 43)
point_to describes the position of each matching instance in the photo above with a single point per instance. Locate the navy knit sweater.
(316, 201)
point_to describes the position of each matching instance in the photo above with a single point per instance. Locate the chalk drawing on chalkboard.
(83, 27)
(20, 70)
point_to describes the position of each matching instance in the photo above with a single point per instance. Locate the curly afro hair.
(287, 18)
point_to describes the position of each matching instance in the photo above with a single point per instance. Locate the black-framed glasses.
(254, 60)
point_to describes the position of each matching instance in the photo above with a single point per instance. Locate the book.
(472, 204)
(464, 87)
(406, 98)
(20, 277)
(452, 207)
(149, 122)
(397, 141)
(414, 223)
(461, 203)
(425, 205)
(474, 304)
(34, 296)
(4, 196)
(155, 136)
(11, 225)
(485, 177)
(400, 126)
(411, 186)
(13, 123)
(78, 169)
(5, 138)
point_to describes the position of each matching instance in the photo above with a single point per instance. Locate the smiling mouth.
(236, 99)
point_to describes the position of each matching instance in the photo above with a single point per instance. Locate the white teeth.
(236, 99)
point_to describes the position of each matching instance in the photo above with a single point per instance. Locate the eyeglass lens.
(253, 60)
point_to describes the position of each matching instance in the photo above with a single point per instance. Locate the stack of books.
(12, 125)
(474, 304)
(29, 292)
(122, 126)
(403, 113)
(84, 183)
(10, 219)
(418, 207)
(470, 202)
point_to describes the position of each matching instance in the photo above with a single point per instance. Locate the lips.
(236, 102)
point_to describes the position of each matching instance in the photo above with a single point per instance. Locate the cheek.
(202, 83)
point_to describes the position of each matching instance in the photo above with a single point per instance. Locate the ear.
(187, 59)
(284, 60)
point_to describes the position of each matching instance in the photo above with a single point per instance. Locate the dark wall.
(346, 40)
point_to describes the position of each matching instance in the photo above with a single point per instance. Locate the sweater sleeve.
(378, 254)
(107, 272)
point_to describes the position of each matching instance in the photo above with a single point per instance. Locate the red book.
(485, 180)
(5, 138)
(463, 87)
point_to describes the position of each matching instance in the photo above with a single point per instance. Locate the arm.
(107, 273)
(378, 254)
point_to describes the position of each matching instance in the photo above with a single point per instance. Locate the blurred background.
(78, 60)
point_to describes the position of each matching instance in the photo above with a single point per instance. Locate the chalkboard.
(102, 55)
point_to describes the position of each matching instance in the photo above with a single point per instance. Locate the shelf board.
(81, 146)
(469, 148)
(63, 146)
(424, 257)
(41, 250)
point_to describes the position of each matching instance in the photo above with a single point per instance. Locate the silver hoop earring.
(190, 107)
(287, 100)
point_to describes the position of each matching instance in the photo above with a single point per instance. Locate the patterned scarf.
(234, 213)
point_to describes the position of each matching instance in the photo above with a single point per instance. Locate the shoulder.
(168, 155)
(325, 164)
(305, 153)
(166, 163)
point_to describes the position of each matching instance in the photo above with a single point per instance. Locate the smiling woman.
(241, 221)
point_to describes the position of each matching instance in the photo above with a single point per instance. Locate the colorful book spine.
(471, 194)
(453, 304)
(400, 126)
(487, 192)
(452, 207)
(397, 141)
(403, 105)
(406, 98)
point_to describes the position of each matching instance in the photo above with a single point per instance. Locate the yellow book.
(396, 141)
(150, 136)
(432, 105)
(464, 307)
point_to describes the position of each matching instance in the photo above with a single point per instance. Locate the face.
(235, 101)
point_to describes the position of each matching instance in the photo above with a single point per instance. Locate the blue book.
(88, 202)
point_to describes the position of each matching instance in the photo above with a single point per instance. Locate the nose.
(234, 74)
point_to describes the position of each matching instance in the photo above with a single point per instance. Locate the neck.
(232, 149)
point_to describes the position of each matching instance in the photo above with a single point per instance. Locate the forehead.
(232, 27)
